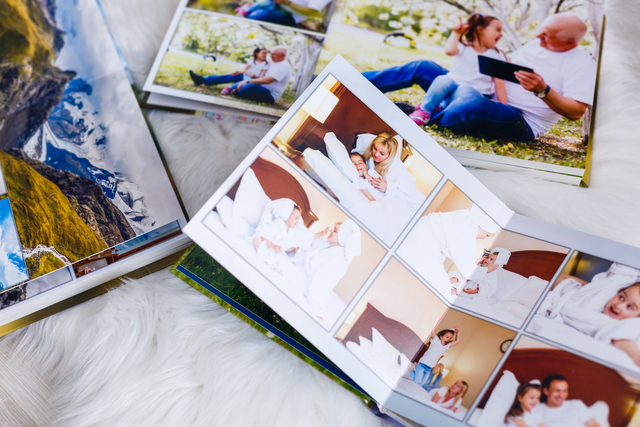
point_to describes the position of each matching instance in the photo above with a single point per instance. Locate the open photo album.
(504, 86)
(84, 193)
(363, 235)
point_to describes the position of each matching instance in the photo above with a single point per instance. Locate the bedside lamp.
(320, 104)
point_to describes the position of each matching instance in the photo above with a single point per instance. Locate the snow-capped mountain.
(74, 140)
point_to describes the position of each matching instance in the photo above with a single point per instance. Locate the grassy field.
(562, 145)
(174, 73)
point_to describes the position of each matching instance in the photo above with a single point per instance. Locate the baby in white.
(364, 182)
(279, 232)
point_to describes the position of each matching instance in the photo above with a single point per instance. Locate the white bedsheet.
(416, 392)
(557, 331)
(335, 306)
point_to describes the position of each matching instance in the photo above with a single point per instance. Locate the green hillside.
(44, 216)
(25, 34)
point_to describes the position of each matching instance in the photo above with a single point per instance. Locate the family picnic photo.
(358, 159)
(594, 307)
(295, 237)
(405, 334)
(312, 15)
(425, 57)
(509, 277)
(446, 244)
(236, 63)
(564, 391)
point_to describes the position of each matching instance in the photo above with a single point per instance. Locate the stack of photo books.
(84, 193)
(218, 58)
(359, 243)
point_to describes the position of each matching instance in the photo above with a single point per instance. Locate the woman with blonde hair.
(451, 397)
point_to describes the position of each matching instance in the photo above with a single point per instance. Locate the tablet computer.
(500, 69)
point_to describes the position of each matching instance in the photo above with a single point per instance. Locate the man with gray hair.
(270, 87)
(562, 85)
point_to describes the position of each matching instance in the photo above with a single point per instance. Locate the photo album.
(501, 85)
(84, 193)
(357, 236)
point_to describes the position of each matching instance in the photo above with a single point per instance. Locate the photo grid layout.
(441, 302)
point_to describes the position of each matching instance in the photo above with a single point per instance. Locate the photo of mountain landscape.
(81, 168)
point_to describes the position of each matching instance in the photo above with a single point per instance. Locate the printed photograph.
(405, 334)
(509, 277)
(594, 307)
(448, 242)
(12, 267)
(296, 237)
(533, 100)
(358, 159)
(76, 182)
(565, 390)
(238, 63)
(312, 15)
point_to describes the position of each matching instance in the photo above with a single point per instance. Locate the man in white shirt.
(557, 410)
(562, 84)
(270, 87)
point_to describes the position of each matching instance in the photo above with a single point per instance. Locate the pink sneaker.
(420, 117)
(226, 91)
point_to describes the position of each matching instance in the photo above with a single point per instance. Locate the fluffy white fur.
(156, 352)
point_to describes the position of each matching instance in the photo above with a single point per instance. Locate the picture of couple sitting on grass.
(468, 102)
(260, 80)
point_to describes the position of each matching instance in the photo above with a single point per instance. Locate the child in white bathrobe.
(279, 232)
(364, 182)
(483, 283)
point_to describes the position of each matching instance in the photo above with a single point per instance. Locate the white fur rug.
(156, 352)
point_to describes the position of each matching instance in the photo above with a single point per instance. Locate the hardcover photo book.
(84, 193)
(351, 230)
(504, 86)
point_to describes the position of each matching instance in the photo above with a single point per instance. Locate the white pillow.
(250, 199)
(340, 156)
(364, 140)
(405, 363)
(365, 344)
(500, 401)
(238, 226)
(382, 350)
(600, 412)
(344, 190)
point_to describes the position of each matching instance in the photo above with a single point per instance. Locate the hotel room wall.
(328, 214)
(477, 353)
(518, 242)
(399, 295)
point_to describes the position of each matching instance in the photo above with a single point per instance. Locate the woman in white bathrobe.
(326, 262)
(607, 308)
(442, 235)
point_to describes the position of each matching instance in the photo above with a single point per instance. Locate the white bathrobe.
(485, 282)
(272, 227)
(324, 265)
(442, 235)
(581, 306)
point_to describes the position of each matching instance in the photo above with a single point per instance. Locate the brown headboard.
(349, 118)
(398, 335)
(588, 381)
(542, 264)
(277, 183)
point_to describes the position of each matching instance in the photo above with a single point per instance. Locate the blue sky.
(12, 267)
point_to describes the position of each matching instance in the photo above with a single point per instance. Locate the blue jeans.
(275, 16)
(469, 112)
(421, 374)
(440, 89)
(255, 93)
(225, 78)
(436, 383)
(422, 73)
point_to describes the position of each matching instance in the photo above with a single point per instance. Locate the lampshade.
(320, 104)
